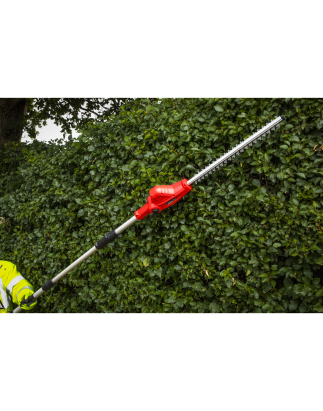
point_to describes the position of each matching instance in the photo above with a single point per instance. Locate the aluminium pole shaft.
(100, 244)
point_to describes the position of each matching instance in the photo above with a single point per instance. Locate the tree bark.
(12, 112)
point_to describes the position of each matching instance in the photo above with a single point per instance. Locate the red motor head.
(162, 197)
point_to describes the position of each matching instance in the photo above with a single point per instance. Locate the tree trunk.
(12, 112)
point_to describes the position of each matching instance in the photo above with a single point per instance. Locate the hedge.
(246, 239)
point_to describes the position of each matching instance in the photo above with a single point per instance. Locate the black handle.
(108, 238)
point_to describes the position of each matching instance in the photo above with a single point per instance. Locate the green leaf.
(319, 261)
(318, 308)
(266, 158)
(190, 167)
(302, 308)
(266, 287)
(288, 282)
(133, 163)
(235, 234)
(214, 307)
(319, 293)
(218, 108)
(293, 305)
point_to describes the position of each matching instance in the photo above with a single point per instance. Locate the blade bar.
(236, 150)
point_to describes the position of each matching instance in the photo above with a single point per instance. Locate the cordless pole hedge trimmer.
(160, 198)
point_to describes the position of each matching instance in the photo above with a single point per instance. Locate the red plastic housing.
(162, 197)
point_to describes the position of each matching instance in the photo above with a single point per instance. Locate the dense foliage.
(246, 239)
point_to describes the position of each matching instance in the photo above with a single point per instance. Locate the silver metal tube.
(38, 293)
(17, 310)
(76, 262)
(272, 125)
(126, 224)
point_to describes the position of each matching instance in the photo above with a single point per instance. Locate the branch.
(85, 109)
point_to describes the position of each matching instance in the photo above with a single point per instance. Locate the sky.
(49, 132)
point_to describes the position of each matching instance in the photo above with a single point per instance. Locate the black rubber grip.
(48, 285)
(106, 239)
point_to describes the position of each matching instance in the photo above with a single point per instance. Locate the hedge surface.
(246, 239)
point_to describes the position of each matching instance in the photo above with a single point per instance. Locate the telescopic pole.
(100, 244)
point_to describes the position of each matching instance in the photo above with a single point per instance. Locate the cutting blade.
(237, 150)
